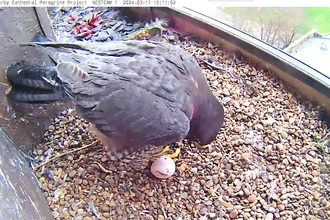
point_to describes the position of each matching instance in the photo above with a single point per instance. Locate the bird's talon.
(203, 146)
(167, 148)
(197, 144)
(175, 154)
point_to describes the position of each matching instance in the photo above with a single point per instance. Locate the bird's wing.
(136, 98)
(160, 69)
(134, 117)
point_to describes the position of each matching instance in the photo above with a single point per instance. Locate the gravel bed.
(270, 160)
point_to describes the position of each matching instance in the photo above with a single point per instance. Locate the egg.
(163, 167)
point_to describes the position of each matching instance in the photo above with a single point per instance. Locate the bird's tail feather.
(51, 48)
(44, 42)
(34, 84)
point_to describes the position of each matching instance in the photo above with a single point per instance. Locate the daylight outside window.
(302, 32)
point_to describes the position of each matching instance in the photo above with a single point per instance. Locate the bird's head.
(206, 121)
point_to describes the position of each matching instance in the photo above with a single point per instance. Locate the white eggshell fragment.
(163, 167)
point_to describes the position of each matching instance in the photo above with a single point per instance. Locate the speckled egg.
(163, 167)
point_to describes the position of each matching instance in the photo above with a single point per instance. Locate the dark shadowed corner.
(23, 122)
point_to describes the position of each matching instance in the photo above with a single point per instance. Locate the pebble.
(239, 129)
(203, 210)
(113, 35)
(324, 201)
(321, 213)
(281, 207)
(184, 195)
(40, 152)
(72, 173)
(249, 124)
(266, 94)
(212, 215)
(323, 169)
(65, 214)
(327, 161)
(271, 168)
(248, 141)
(105, 208)
(259, 127)
(280, 147)
(252, 198)
(269, 216)
(102, 36)
(226, 92)
(246, 192)
(315, 179)
(315, 173)
(195, 187)
(233, 214)
(194, 170)
(209, 183)
(284, 135)
(265, 206)
(271, 210)
(271, 110)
